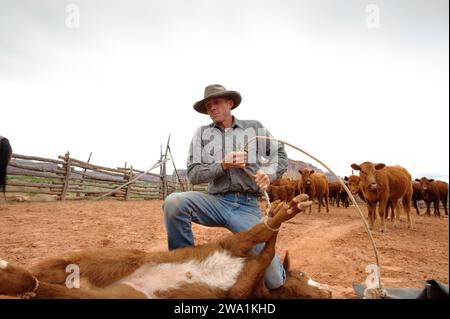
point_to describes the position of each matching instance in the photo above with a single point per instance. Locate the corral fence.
(67, 178)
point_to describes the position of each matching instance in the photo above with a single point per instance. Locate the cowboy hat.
(216, 91)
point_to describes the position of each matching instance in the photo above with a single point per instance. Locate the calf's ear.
(380, 166)
(345, 178)
(355, 167)
(431, 180)
(417, 180)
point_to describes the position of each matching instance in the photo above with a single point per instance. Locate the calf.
(223, 269)
(315, 185)
(434, 191)
(381, 184)
(281, 193)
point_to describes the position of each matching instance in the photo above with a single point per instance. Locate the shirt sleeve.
(277, 158)
(199, 172)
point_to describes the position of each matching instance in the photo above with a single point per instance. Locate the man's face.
(219, 109)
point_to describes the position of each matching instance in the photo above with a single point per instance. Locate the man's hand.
(234, 160)
(262, 180)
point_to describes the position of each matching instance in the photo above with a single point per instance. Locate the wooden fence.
(70, 178)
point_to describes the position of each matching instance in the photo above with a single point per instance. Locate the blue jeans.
(234, 211)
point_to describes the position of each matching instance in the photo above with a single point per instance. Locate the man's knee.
(274, 282)
(173, 205)
(275, 275)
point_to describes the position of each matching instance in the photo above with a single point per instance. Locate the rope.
(31, 294)
(369, 233)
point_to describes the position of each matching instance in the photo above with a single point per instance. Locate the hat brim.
(235, 96)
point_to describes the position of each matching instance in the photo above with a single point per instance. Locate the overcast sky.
(327, 76)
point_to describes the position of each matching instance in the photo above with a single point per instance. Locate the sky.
(347, 81)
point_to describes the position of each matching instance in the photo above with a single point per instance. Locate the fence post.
(66, 165)
(128, 191)
(164, 173)
(83, 174)
(161, 184)
(164, 181)
(175, 168)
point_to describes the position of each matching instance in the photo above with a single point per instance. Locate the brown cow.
(288, 182)
(417, 195)
(434, 191)
(283, 181)
(282, 193)
(342, 196)
(381, 184)
(315, 185)
(354, 186)
(333, 189)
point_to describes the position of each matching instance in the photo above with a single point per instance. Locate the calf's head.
(298, 285)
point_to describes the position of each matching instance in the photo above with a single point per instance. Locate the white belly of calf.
(218, 270)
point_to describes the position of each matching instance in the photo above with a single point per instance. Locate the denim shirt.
(211, 143)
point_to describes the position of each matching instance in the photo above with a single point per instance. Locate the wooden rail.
(68, 178)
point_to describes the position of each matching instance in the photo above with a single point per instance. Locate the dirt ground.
(332, 248)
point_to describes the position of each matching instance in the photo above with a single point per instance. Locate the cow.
(333, 189)
(288, 182)
(355, 189)
(226, 268)
(342, 196)
(282, 193)
(434, 191)
(315, 185)
(283, 181)
(381, 184)
(353, 185)
(417, 195)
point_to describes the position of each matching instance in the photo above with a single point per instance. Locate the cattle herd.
(388, 188)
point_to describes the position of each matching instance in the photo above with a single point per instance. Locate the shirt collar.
(234, 124)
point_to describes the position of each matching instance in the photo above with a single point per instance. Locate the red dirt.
(332, 248)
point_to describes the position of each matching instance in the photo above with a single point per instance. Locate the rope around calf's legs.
(31, 294)
(265, 220)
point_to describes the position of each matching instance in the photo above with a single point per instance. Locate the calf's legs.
(253, 271)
